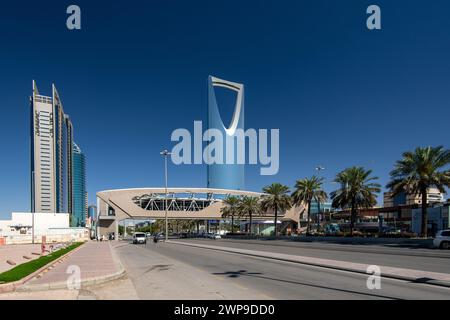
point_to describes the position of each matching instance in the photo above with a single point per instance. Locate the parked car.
(139, 237)
(213, 236)
(442, 239)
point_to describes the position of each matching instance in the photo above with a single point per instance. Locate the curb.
(63, 285)
(84, 283)
(264, 255)
(14, 286)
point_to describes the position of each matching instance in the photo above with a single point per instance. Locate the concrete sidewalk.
(95, 260)
(434, 278)
(18, 253)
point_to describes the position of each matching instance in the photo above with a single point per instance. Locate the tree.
(276, 197)
(249, 206)
(418, 171)
(357, 190)
(230, 209)
(306, 191)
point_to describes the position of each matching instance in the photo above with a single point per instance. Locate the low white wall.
(52, 236)
(24, 220)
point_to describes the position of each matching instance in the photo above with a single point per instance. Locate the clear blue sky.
(341, 95)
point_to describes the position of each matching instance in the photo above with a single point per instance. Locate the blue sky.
(340, 94)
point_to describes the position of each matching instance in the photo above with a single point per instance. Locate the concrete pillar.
(116, 233)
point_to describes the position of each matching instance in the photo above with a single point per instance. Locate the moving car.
(139, 237)
(213, 236)
(442, 239)
(159, 236)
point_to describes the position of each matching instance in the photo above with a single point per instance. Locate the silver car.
(442, 239)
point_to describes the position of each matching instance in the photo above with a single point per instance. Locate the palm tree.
(417, 171)
(248, 206)
(306, 191)
(230, 209)
(276, 197)
(357, 190)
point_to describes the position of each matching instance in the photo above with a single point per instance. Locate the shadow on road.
(245, 273)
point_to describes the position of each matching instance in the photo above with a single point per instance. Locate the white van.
(139, 237)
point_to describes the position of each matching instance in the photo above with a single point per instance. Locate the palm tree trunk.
(275, 222)
(307, 218)
(424, 227)
(352, 217)
(250, 226)
(232, 223)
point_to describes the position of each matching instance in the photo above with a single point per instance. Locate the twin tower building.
(58, 168)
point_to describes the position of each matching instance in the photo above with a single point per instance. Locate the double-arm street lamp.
(166, 153)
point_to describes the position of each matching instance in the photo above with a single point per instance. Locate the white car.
(214, 236)
(442, 239)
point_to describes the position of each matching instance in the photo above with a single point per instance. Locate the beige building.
(433, 196)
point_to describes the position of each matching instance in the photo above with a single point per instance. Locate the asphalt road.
(435, 260)
(175, 271)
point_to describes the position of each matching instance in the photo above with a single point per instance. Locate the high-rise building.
(92, 212)
(79, 208)
(51, 153)
(226, 175)
(58, 168)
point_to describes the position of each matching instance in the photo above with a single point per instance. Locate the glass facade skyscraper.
(226, 175)
(92, 213)
(63, 143)
(79, 209)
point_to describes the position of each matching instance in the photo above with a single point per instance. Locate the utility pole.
(165, 153)
(32, 227)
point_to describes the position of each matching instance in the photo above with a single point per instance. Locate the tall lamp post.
(165, 153)
(318, 169)
(32, 227)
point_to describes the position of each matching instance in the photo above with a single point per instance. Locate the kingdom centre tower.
(227, 175)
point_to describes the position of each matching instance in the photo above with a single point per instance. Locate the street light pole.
(165, 153)
(32, 227)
